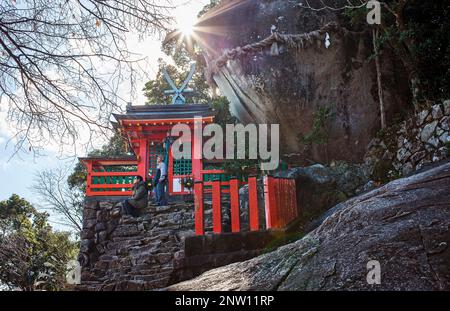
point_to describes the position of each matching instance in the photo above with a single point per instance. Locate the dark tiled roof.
(153, 112)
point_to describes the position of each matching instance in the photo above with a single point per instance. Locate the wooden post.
(288, 198)
(196, 149)
(293, 191)
(283, 207)
(253, 203)
(270, 202)
(234, 198)
(170, 171)
(89, 178)
(143, 158)
(216, 207)
(275, 203)
(198, 203)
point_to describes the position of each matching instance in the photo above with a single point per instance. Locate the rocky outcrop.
(288, 81)
(414, 143)
(404, 225)
(320, 187)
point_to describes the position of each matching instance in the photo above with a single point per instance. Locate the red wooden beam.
(108, 162)
(112, 186)
(198, 202)
(213, 171)
(163, 121)
(98, 174)
(216, 207)
(210, 190)
(111, 193)
(210, 183)
(234, 198)
(253, 203)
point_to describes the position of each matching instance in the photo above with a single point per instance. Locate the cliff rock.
(286, 81)
(404, 225)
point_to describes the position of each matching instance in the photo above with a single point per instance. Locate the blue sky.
(17, 173)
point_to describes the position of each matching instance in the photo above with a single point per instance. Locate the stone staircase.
(126, 253)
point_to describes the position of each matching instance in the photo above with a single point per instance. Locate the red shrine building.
(147, 129)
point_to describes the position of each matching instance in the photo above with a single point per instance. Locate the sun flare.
(186, 26)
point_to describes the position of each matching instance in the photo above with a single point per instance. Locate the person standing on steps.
(138, 200)
(160, 182)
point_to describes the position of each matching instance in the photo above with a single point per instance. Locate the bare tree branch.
(62, 62)
(57, 197)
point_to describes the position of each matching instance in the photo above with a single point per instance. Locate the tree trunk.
(379, 84)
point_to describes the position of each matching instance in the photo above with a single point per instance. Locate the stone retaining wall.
(125, 253)
(415, 143)
(206, 252)
(156, 249)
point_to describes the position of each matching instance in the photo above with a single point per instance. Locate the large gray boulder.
(320, 187)
(404, 225)
(289, 86)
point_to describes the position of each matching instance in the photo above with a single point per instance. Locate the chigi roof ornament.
(177, 93)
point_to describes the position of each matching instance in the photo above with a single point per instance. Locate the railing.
(113, 179)
(280, 201)
(217, 188)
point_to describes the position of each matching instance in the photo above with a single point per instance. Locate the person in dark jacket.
(138, 200)
(160, 182)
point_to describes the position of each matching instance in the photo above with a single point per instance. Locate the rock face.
(321, 187)
(291, 84)
(404, 225)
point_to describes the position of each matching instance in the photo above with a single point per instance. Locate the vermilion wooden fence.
(217, 189)
(280, 201)
(109, 178)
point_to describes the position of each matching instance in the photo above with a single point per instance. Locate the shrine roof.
(165, 112)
